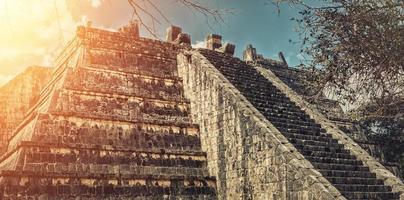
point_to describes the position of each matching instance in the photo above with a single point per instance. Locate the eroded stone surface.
(17, 96)
(296, 79)
(246, 119)
(249, 156)
(113, 123)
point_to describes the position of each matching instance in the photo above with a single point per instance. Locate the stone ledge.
(7, 173)
(95, 68)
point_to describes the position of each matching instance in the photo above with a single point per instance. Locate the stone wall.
(17, 96)
(249, 156)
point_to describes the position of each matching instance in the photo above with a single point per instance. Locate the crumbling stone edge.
(316, 186)
(374, 166)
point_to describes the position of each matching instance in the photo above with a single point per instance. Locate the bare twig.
(138, 10)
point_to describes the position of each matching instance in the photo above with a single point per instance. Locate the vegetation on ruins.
(356, 49)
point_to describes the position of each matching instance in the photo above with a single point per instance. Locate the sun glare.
(31, 32)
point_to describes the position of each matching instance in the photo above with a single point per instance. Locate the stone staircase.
(336, 164)
(111, 124)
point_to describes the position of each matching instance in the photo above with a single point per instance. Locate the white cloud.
(199, 44)
(95, 3)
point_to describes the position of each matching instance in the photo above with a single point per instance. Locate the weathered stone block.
(183, 39)
(213, 41)
(228, 49)
(172, 33)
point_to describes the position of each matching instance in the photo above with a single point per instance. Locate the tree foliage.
(355, 49)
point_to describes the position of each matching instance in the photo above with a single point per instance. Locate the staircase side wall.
(374, 166)
(246, 153)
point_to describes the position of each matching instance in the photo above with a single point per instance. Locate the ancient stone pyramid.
(115, 122)
(111, 124)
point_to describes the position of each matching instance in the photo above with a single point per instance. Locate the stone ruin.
(126, 117)
(295, 79)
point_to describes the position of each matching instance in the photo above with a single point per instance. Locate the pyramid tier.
(62, 129)
(33, 185)
(138, 63)
(118, 107)
(106, 159)
(113, 82)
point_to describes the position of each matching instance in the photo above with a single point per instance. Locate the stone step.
(120, 169)
(103, 149)
(344, 155)
(282, 111)
(282, 115)
(309, 133)
(105, 176)
(363, 176)
(316, 143)
(279, 99)
(110, 157)
(265, 101)
(118, 192)
(346, 167)
(282, 121)
(66, 186)
(244, 72)
(302, 130)
(321, 138)
(320, 148)
(334, 160)
(354, 180)
(293, 125)
(371, 195)
(269, 91)
(289, 127)
(240, 71)
(362, 188)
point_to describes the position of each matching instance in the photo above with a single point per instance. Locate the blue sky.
(250, 22)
